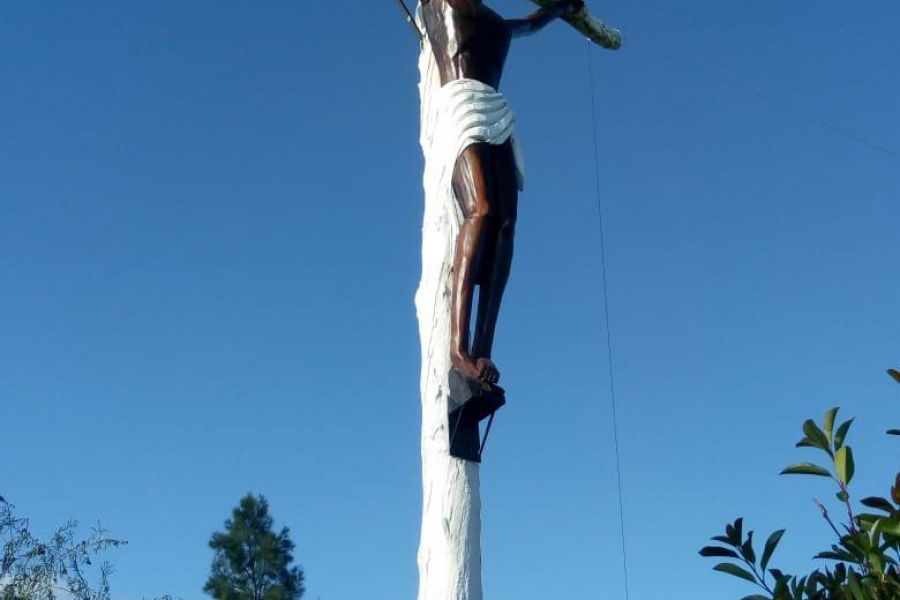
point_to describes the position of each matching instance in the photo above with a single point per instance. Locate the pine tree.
(251, 561)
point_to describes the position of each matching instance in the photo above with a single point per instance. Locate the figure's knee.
(480, 210)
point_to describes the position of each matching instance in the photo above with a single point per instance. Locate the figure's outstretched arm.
(541, 17)
(591, 27)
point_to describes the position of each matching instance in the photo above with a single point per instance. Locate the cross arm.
(550, 10)
(591, 27)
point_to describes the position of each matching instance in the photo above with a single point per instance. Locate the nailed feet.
(479, 369)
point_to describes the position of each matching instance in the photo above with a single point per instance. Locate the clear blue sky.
(209, 245)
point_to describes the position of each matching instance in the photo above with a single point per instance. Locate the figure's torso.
(469, 40)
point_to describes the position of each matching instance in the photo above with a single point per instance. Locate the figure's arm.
(593, 28)
(543, 16)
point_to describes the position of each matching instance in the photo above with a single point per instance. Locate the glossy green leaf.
(843, 464)
(841, 434)
(722, 538)
(771, 544)
(816, 436)
(857, 544)
(876, 560)
(875, 533)
(717, 551)
(811, 584)
(891, 527)
(734, 532)
(879, 503)
(747, 549)
(735, 570)
(855, 588)
(867, 520)
(805, 468)
(781, 584)
(829, 422)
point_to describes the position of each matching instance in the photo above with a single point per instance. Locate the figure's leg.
(472, 187)
(502, 234)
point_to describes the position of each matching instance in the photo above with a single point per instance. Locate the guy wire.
(609, 352)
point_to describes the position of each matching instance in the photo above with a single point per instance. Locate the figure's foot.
(481, 369)
(489, 372)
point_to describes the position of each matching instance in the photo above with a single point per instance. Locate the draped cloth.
(466, 112)
(455, 116)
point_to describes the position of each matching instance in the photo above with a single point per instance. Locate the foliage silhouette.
(35, 569)
(867, 549)
(251, 561)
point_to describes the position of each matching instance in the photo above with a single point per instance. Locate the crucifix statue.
(473, 176)
(470, 44)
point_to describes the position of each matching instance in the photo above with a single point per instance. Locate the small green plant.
(59, 567)
(867, 548)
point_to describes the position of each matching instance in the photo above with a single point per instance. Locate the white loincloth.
(465, 112)
(470, 112)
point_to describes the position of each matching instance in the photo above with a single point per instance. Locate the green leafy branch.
(866, 554)
(35, 569)
(737, 547)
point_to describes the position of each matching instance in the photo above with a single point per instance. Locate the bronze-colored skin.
(470, 41)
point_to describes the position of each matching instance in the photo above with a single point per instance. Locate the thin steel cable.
(609, 351)
(411, 20)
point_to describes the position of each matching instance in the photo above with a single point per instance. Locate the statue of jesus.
(470, 43)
